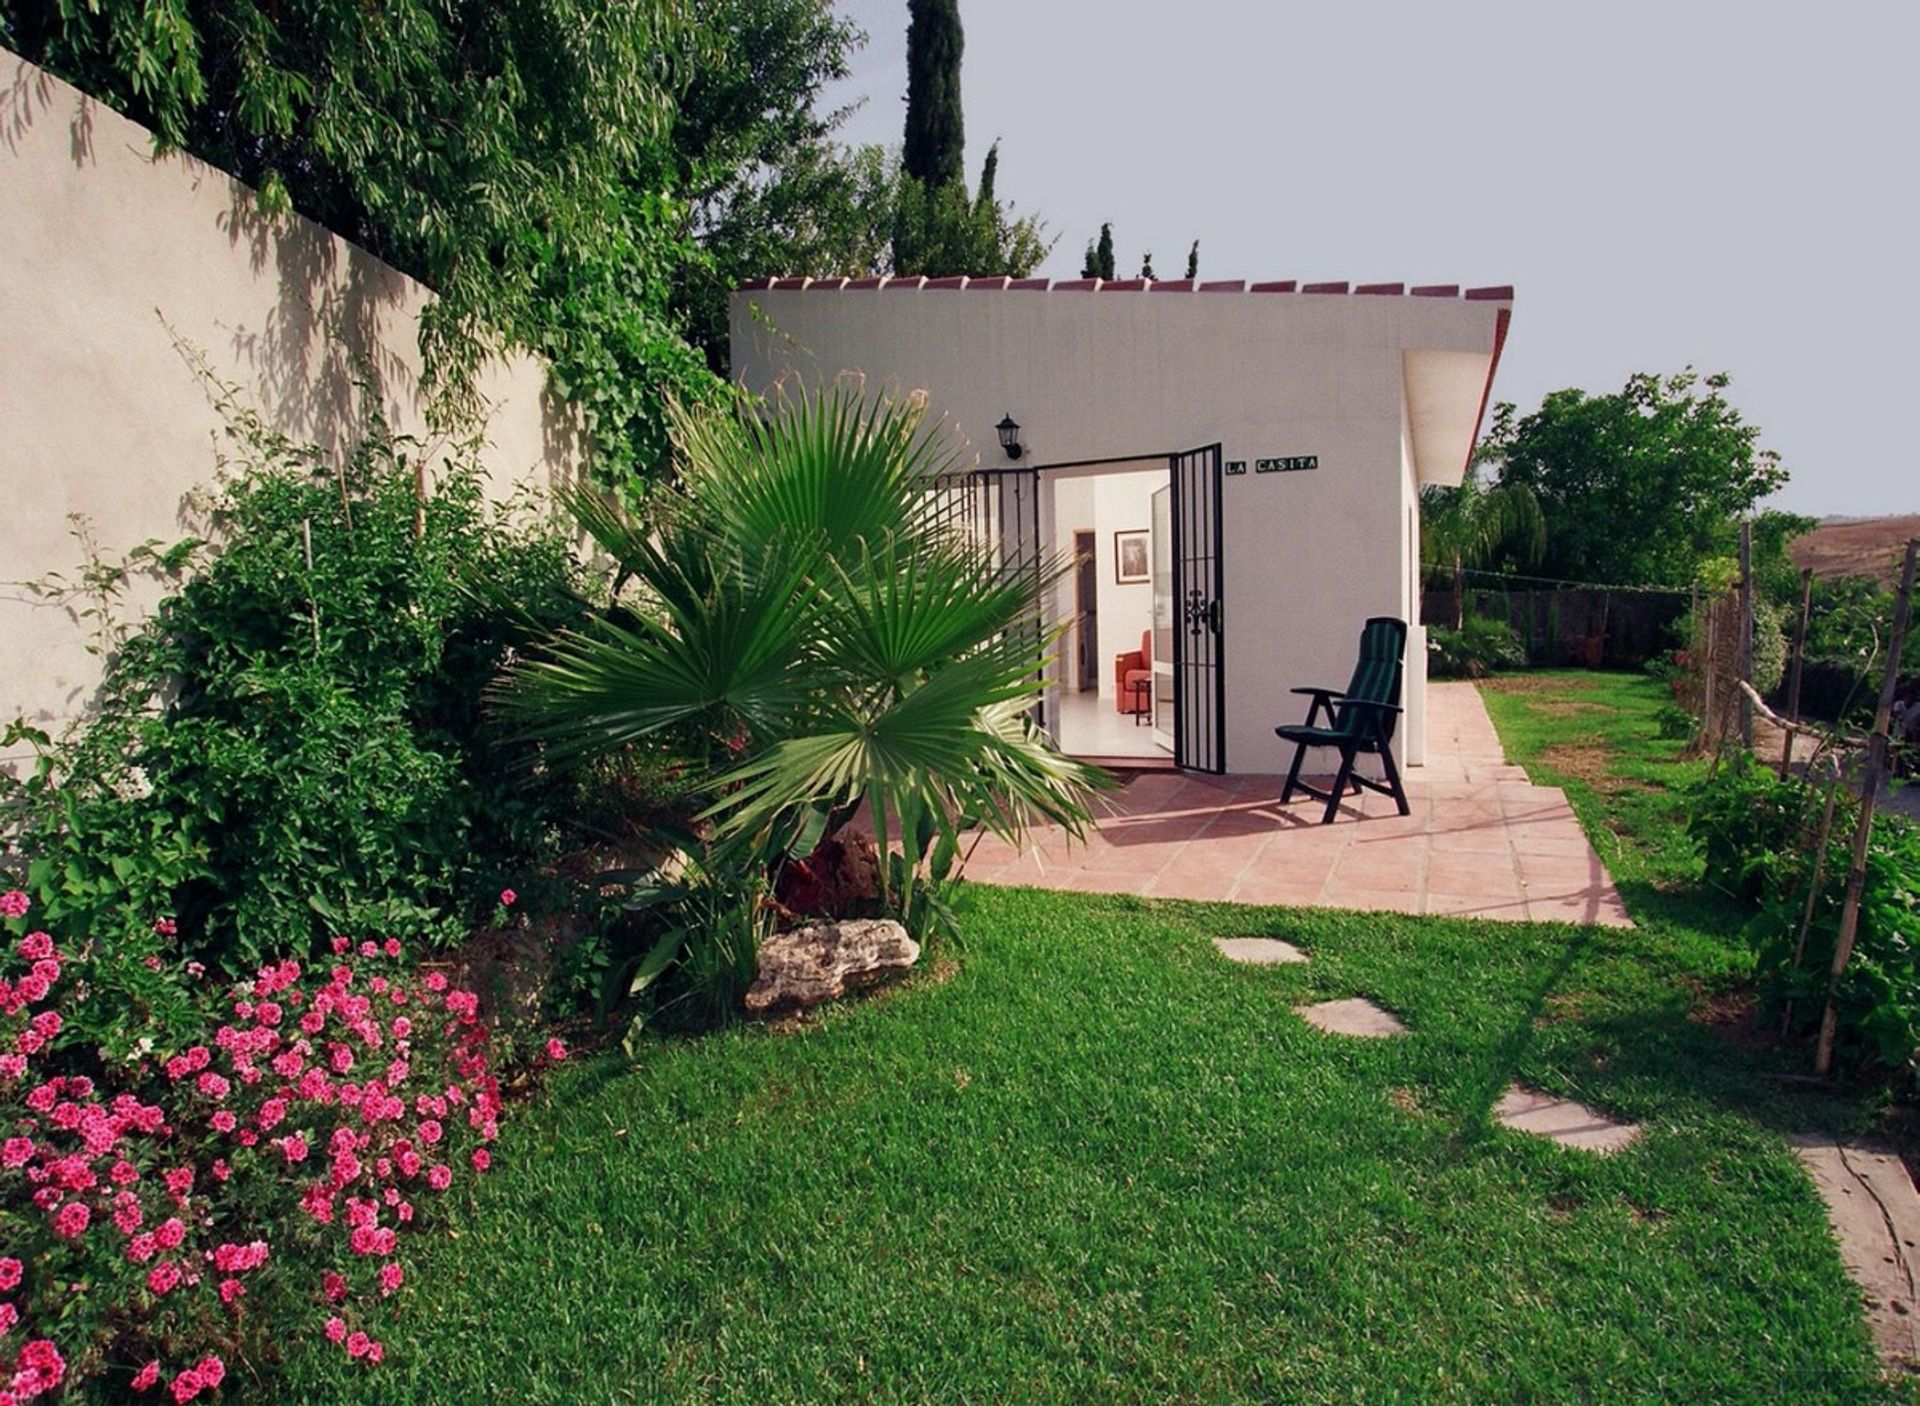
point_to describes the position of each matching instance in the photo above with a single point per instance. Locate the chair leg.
(1339, 787)
(1392, 772)
(1293, 772)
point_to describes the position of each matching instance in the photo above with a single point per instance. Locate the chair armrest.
(1369, 703)
(1322, 692)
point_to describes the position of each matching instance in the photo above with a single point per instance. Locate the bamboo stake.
(1746, 632)
(1793, 677)
(1813, 895)
(1877, 748)
(313, 605)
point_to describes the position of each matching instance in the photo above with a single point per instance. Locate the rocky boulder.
(824, 960)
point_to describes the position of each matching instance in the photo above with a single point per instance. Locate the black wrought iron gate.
(1199, 638)
(1000, 510)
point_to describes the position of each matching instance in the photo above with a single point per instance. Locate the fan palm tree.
(1466, 527)
(799, 600)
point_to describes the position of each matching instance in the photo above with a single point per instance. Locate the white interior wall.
(1122, 503)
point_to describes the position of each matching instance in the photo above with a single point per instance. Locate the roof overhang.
(1447, 395)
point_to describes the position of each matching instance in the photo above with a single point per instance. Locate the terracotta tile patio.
(1482, 841)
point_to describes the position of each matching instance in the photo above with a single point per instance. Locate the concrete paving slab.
(1562, 1120)
(1875, 1214)
(1355, 1016)
(1259, 951)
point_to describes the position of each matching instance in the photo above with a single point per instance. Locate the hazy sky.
(1726, 185)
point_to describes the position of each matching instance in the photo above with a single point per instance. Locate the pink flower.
(166, 927)
(169, 1233)
(440, 1177)
(334, 1286)
(391, 1276)
(212, 1371)
(507, 898)
(71, 1220)
(16, 1152)
(357, 1344)
(38, 1369)
(556, 1050)
(375, 1352)
(144, 1379)
(393, 947)
(164, 1277)
(436, 981)
(12, 1066)
(224, 1121)
(369, 948)
(36, 947)
(14, 904)
(10, 1271)
(9, 1316)
(187, 1385)
(152, 962)
(482, 1159)
(231, 1289)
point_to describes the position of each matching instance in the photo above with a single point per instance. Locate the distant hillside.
(1869, 546)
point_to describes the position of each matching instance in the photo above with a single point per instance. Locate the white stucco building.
(1269, 440)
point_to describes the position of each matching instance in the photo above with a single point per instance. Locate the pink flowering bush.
(162, 1223)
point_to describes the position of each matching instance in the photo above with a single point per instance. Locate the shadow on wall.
(149, 291)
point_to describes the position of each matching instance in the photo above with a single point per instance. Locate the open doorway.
(1112, 691)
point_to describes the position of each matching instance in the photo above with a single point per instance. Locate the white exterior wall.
(109, 254)
(1122, 374)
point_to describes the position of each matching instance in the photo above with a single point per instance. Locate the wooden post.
(1746, 632)
(1877, 748)
(1793, 673)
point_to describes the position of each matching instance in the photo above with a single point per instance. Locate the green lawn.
(1099, 1163)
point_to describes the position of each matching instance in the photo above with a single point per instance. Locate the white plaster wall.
(110, 256)
(1107, 375)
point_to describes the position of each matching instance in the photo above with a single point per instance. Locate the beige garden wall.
(116, 268)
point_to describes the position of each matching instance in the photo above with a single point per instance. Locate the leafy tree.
(1467, 527)
(1103, 253)
(1146, 265)
(1640, 486)
(936, 128)
(766, 186)
(1193, 260)
(1090, 262)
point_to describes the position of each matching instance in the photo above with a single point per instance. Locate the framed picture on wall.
(1132, 562)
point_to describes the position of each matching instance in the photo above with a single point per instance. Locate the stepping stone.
(1875, 1215)
(1259, 951)
(1355, 1016)
(1562, 1120)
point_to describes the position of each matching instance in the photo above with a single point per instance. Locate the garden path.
(1482, 840)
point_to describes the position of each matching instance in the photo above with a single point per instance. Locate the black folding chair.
(1361, 720)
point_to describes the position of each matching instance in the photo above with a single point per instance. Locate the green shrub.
(1758, 835)
(1480, 646)
(292, 745)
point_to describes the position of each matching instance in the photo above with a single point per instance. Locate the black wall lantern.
(1010, 437)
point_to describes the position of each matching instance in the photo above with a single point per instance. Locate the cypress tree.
(1103, 256)
(936, 131)
(1193, 260)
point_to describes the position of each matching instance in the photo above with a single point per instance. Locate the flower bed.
(163, 1222)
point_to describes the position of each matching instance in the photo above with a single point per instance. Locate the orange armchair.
(1133, 677)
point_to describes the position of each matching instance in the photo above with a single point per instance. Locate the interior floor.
(1089, 727)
